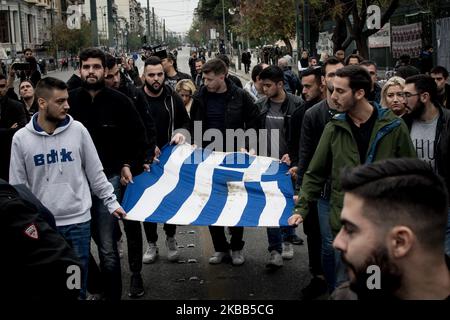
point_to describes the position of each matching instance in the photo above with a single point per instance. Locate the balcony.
(32, 1)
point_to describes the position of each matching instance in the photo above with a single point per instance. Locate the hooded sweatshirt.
(57, 169)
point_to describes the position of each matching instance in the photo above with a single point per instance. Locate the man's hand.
(126, 176)
(295, 219)
(178, 138)
(14, 126)
(120, 213)
(285, 158)
(293, 172)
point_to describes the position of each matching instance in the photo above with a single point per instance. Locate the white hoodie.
(57, 168)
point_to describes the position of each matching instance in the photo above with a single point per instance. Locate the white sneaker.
(151, 254)
(172, 251)
(237, 258)
(275, 260)
(288, 251)
(217, 257)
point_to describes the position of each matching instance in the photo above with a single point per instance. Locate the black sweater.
(114, 125)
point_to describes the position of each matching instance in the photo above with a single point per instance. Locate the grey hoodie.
(57, 168)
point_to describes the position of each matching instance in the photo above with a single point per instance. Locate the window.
(4, 23)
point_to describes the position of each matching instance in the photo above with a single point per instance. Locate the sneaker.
(295, 239)
(288, 251)
(237, 258)
(136, 286)
(217, 257)
(151, 254)
(95, 296)
(275, 260)
(315, 289)
(172, 251)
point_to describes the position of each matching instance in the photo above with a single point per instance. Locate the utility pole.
(148, 22)
(154, 24)
(307, 37)
(164, 31)
(297, 29)
(20, 26)
(94, 26)
(224, 28)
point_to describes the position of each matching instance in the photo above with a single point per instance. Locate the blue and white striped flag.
(191, 186)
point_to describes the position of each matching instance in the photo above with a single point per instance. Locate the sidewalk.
(234, 69)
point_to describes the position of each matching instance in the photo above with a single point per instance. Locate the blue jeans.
(328, 262)
(276, 236)
(104, 228)
(79, 238)
(447, 235)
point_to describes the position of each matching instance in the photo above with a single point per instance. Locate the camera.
(20, 66)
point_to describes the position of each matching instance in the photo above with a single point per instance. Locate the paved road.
(193, 278)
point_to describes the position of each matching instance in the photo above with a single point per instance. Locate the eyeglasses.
(409, 95)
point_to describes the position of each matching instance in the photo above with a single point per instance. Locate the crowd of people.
(370, 165)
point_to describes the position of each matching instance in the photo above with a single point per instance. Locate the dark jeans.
(151, 231)
(328, 260)
(78, 236)
(104, 231)
(134, 240)
(220, 240)
(312, 230)
(276, 236)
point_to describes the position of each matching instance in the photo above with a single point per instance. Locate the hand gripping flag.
(191, 186)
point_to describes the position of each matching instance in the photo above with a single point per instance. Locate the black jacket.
(179, 118)
(445, 98)
(441, 144)
(11, 111)
(142, 107)
(241, 111)
(74, 82)
(314, 122)
(114, 125)
(291, 109)
(35, 257)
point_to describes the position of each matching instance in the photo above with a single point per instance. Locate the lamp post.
(224, 28)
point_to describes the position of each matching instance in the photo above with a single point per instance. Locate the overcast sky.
(178, 13)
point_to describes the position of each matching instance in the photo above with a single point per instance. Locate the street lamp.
(224, 29)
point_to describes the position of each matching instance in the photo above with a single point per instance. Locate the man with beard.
(429, 124)
(393, 221)
(55, 157)
(133, 229)
(119, 137)
(314, 123)
(361, 133)
(168, 111)
(278, 111)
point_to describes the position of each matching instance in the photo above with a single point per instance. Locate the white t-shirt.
(423, 136)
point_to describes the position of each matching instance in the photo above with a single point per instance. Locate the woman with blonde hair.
(392, 96)
(186, 89)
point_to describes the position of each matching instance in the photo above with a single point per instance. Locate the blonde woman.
(186, 89)
(392, 96)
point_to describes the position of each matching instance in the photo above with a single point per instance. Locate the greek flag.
(192, 186)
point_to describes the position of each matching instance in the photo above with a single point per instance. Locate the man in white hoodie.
(55, 157)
